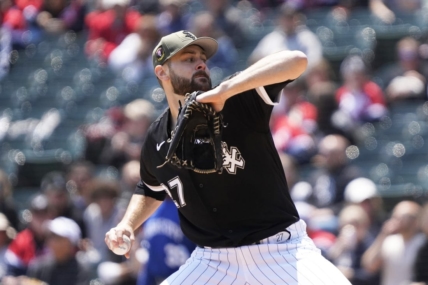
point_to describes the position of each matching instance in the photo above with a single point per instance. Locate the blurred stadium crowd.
(77, 94)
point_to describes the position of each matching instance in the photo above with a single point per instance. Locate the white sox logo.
(188, 34)
(232, 159)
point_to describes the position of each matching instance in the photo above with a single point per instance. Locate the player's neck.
(173, 103)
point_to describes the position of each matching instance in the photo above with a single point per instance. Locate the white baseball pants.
(289, 257)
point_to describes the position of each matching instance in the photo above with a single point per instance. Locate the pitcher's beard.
(182, 85)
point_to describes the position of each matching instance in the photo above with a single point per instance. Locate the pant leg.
(297, 262)
(209, 266)
(290, 259)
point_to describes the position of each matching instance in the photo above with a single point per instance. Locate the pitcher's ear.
(161, 73)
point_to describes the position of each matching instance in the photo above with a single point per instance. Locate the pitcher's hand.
(114, 237)
(215, 97)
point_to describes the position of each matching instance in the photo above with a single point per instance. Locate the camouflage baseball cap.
(173, 43)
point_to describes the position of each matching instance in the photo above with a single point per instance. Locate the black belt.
(254, 243)
(214, 247)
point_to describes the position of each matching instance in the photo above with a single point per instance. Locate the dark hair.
(353, 64)
(104, 189)
(54, 180)
(82, 163)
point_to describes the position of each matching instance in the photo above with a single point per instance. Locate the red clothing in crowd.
(22, 4)
(372, 90)
(103, 25)
(365, 104)
(14, 19)
(324, 240)
(23, 247)
(300, 120)
(21, 251)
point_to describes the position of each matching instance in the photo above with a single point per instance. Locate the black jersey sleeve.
(253, 108)
(149, 184)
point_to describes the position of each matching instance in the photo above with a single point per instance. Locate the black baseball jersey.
(249, 200)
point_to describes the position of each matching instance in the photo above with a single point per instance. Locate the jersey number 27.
(175, 183)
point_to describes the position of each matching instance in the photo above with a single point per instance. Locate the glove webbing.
(208, 111)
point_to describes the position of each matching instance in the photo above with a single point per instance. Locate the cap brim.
(209, 45)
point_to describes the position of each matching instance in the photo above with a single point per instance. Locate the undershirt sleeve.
(270, 94)
(155, 192)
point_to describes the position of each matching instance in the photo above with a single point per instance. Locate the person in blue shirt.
(166, 245)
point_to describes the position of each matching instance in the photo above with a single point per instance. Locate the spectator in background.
(333, 173)
(5, 48)
(99, 133)
(79, 175)
(132, 58)
(359, 99)
(382, 10)
(388, 10)
(321, 88)
(420, 276)
(7, 205)
(322, 96)
(293, 122)
(30, 242)
(108, 27)
(13, 20)
(101, 215)
(346, 7)
(307, 5)
(320, 224)
(58, 16)
(148, 6)
(290, 33)
(323, 228)
(165, 243)
(272, 4)
(7, 234)
(54, 186)
(130, 176)
(29, 4)
(19, 17)
(126, 143)
(363, 192)
(321, 72)
(353, 240)
(60, 266)
(406, 78)
(173, 17)
(224, 61)
(394, 250)
(229, 19)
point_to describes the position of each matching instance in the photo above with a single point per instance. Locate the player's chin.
(203, 84)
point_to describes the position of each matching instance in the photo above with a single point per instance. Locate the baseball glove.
(195, 142)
